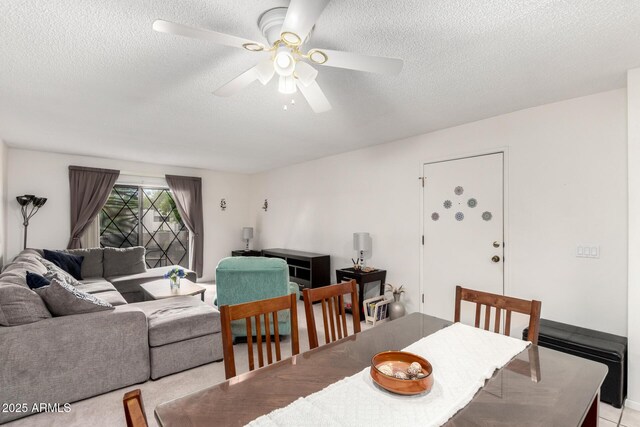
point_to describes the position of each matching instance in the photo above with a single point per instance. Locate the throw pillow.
(63, 299)
(70, 263)
(92, 262)
(36, 281)
(121, 261)
(53, 271)
(20, 305)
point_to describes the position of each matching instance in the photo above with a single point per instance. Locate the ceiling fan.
(286, 29)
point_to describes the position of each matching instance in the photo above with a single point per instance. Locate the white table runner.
(462, 357)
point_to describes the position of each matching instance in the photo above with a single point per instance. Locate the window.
(143, 216)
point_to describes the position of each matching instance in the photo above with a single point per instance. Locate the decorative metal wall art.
(472, 203)
(458, 190)
(435, 216)
(459, 216)
(265, 205)
(223, 204)
(486, 215)
(447, 204)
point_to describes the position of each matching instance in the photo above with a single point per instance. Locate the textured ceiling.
(92, 77)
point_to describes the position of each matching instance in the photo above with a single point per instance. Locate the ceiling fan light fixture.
(253, 47)
(317, 56)
(305, 73)
(291, 39)
(283, 62)
(287, 85)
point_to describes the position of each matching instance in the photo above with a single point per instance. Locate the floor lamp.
(29, 206)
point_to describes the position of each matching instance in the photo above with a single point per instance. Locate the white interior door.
(463, 231)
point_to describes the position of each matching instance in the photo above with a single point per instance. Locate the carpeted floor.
(106, 409)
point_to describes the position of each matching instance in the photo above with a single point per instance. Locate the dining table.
(538, 387)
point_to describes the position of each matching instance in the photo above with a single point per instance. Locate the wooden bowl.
(401, 360)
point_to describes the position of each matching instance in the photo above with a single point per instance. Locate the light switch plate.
(588, 251)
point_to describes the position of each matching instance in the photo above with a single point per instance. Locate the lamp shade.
(247, 233)
(361, 242)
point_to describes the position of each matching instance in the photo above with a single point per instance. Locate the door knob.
(495, 258)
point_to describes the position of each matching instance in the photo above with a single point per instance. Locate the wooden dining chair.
(134, 409)
(500, 302)
(253, 310)
(333, 311)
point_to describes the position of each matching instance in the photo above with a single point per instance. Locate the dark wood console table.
(375, 278)
(242, 252)
(307, 269)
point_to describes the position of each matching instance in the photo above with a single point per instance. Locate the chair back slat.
(487, 317)
(256, 311)
(250, 344)
(507, 323)
(259, 341)
(496, 327)
(276, 335)
(268, 337)
(333, 326)
(333, 311)
(500, 302)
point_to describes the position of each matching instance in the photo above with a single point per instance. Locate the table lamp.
(247, 234)
(26, 201)
(362, 244)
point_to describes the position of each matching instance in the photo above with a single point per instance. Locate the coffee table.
(159, 289)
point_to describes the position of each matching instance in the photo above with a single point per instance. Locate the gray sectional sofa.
(68, 358)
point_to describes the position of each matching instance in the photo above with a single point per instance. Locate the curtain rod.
(144, 175)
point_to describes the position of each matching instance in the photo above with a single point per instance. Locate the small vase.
(174, 281)
(396, 308)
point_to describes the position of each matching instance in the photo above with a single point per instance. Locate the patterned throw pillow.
(64, 299)
(53, 271)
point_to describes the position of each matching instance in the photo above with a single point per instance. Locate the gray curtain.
(187, 193)
(90, 189)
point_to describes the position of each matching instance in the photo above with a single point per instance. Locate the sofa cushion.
(131, 282)
(70, 263)
(21, 265)
(35, 280)
(64, 299)
(15, 277)
(95, 286)
(53, 270)
(119, 261)
(20, 305)
(112, 297)
(92, 263)
(178, 319)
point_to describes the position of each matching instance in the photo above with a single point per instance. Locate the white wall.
(567, 185)
(46, 174)
(633, 94)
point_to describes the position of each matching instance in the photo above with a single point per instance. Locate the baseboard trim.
(632, 404)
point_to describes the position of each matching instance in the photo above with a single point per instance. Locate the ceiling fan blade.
(305, 73)
(355, 61)
(265, 71)
(197, 33)
(302, 16)
(314, 96)
(239, 83)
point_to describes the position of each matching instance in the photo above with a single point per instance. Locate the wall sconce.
(247, 234)
(223, 204)
(265, 206)
(362, 244)
(25, 201)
